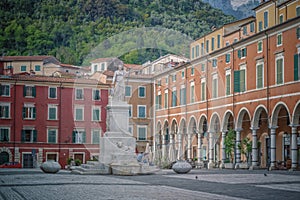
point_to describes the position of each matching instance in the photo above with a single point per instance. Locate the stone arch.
(276, 111)
(214, 126)
(241, 115)
(203, 124)
(257, 116)
(192, 125)
(296, 114)
(228, 121)
(6, 150)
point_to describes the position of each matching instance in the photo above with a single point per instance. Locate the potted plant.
(246, 149)
(229, 148)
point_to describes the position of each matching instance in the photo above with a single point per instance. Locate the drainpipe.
(15, 108)
(154, 118)
(267, 72)
(60, 121)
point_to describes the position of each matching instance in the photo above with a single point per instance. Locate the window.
(174, 78)
(202, 48)
(159, 82)
(215, 86)
(279, 39)
(182, 95)
(192, 92)
(167, 80)
(279, 70)
(197, 51)
(174, 98)
(79, 94)
(141, 111)
(79, 136)
(212, 44)
(23, 68)
(280, 19)
(96, 136)
(203, 90)
(52, 112)
(298, 32)
(4, 110)
(52, 92)
(296, 66)
(52, 135)
(29, 91)
(239, 80)
(259, 75)
(227, 44)
(228, 82)
(266, 20)
(127, 91)
(4, 134)
(202, 67)
(207, 46)
(192, 71)
(252, 27)
(214, 62)
(95, 68)
(37, 68)
(130, 111)
(96, 95)
(142, 133)
(158, 101)
(245, 30)
(235, 40)
(29, 135)
(298, 11)
(260, 26)
(227, 58)
(182, 74)
(242, 53)
(102, 66)
(142, 92)
(5, 90)
(259, 47)
(130, 129)
(166, 99)
(193, 52)
(79, 113)
(29, 111)
(96, 114)
(219, 41)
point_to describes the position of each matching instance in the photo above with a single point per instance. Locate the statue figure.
(119, 82)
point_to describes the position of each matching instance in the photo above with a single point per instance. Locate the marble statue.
(119, 82)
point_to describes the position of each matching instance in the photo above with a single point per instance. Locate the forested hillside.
(70, 29)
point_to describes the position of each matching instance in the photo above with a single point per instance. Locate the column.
(179, 153)
(223, 148)
(163, 146)
(254, 148)
(199, 147)
(156, 150)
(171, 148)
(189, 147)
(294, 148)
(273, 147)
(211, 151)
(237, 147)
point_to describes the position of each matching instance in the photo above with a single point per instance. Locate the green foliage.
(70, 29)
(230, 144)
(246, 148)
(77, 162)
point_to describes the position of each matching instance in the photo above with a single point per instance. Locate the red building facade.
(46, 118)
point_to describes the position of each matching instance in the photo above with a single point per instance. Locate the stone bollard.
(50, 166)
(182, 167)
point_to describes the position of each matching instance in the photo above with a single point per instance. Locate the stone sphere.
(182, 167)
(50, 166)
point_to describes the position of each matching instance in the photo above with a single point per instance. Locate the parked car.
(11, 165)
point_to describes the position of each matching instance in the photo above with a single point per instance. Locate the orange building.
(249, 85)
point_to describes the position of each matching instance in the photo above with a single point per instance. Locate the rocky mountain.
(238, 8)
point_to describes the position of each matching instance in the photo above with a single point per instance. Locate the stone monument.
(117, 145)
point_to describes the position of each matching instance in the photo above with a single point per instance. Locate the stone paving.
(198, 184)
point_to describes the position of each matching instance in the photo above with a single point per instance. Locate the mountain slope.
(70, 29)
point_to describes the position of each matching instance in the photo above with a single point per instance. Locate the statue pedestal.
(117, 146)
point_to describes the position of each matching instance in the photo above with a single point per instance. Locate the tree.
(230, 145)
(246, 148)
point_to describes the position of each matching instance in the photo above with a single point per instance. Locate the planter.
(50, 166)
(182, 167)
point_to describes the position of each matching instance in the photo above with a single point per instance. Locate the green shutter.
(34, 135)
(239, 53)
(228, 85)
(33, 91)
(259, 76)
(237, 81)
(34, 113)
(242, 81)
(23, 136)
(24, 112)
(1, 90)
(73, 136)
(84, 137)
(24, 90)
(296, 67)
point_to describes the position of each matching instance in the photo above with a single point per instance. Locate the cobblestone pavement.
(28, 184)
